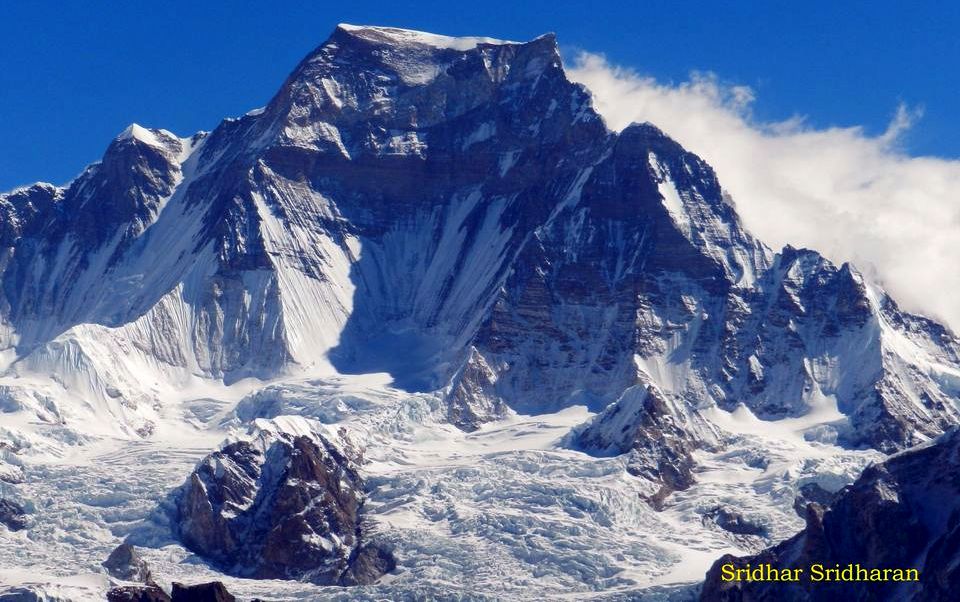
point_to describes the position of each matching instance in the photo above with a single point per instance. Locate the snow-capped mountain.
(456, 214)
(453, 213)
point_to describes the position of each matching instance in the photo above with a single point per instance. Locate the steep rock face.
(650, 276)
(279, 506)
(812, 332)
(903, 513)
(571, 316)
(368, 211)
(450, 157)
(453, 212)
(472, 398)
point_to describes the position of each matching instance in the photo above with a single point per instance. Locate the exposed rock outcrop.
(660, 437)
(516, 255)
(137, 593)
(812, 493)
(901, 514)
(733, 522)
(369, 563)
(280, 506)
(126, 563)
(12, 515)
(214, 591)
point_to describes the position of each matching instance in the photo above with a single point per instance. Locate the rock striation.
(455, 213)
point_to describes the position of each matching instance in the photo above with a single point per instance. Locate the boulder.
(137, 593)
(127, 564)
(214, 591)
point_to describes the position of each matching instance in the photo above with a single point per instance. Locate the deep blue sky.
(72, 76)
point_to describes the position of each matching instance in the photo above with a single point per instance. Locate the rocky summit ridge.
(454, 213)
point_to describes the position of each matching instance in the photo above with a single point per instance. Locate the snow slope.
(505, 511)
(528, 324)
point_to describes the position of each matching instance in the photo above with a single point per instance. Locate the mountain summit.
(453, 213)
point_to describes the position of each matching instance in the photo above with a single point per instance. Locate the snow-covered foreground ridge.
(436, 244)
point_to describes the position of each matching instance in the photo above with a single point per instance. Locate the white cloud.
(851, 196)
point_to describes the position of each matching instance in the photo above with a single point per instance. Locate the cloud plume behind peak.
(852, 196)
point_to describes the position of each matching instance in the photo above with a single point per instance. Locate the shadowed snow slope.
(437, 243)
(454, 213)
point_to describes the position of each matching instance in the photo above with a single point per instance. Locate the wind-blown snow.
(409, 36)
(137, 132)
(298, 271)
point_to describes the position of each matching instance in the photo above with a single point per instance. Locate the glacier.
(560, 352)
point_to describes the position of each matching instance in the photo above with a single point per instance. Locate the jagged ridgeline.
(454, 213)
